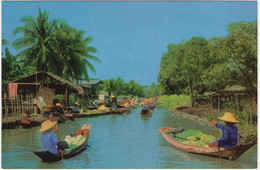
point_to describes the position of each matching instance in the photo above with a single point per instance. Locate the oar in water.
(89, 146)
(215, 131)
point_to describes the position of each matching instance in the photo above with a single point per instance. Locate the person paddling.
(49, 139)
(114, 102)
(230, 131)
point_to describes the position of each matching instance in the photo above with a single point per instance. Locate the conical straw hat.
(47, 125)
(229, 117)
(58, 104)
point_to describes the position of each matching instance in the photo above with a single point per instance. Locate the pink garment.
(13, 89)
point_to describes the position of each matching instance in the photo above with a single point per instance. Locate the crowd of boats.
(60, 114)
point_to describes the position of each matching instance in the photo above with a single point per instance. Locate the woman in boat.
(76, 107)
(114, 103)
(230, 131)
(49, 139)
(58, 109)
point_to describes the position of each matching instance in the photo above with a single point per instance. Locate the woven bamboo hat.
(113, 96)
(47, 125)
(58, 104)
(76, 103)
(229, 117)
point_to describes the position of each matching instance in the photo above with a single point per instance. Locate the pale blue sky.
(132, 36)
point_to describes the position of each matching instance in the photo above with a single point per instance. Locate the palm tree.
(109, 86)
(55, 47)
(37, 39)
(73, 53)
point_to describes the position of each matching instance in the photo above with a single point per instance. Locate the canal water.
(128, 141)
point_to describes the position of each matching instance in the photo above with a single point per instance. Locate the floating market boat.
(78, 115)
(30, 123)
(230, 153)
(145, 110)
(92, 108)
(34, 120)
(118, 111)
(47, 156)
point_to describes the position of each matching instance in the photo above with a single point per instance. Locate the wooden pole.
(36, 93)
(66, 101)
(48, 91)
(219, 103)
(219, 155)
(22, 104)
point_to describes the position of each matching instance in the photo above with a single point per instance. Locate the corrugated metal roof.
(91, 82)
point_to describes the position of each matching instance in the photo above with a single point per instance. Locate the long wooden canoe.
(47, 156)
(30, 123)
(118, 111)
(78, 115)
(230, 153)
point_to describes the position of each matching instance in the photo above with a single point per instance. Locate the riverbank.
(200, 113)
(204, 113)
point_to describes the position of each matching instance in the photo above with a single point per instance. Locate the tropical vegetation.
(198, 66)
(51, 46)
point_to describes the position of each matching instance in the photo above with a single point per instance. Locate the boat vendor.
(230, 131)
(76, 107)
(114, 102)
(49, 139)
(58, 108)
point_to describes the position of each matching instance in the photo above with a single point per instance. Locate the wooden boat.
(146, 110)
(118, 111)
(92, 108)
(30, 123)
(152, 106)
(78, 115)
(47, 156)
(230, 153)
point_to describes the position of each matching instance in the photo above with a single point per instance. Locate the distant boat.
(230, 153)
(47, 156)
(146, 110)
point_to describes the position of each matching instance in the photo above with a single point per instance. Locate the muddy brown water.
(119, 142)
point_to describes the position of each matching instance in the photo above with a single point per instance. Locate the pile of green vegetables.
(194, 137)
(74, 141)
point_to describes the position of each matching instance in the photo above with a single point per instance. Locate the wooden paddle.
(61, 152)
(215, 131)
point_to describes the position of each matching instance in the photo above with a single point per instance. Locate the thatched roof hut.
(50, 80)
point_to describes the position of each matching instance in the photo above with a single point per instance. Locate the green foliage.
(243, 112)
(118, 87)
(174, 100)
(153, 90)
(201, 65)
(55, 47)
(109, 86)
(13, 67)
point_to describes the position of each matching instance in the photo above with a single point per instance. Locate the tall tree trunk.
(191, 92)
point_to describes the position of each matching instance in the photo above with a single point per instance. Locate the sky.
(131, 37)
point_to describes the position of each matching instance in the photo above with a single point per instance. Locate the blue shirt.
(230, 136)
(75, 109)
(49, 142)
